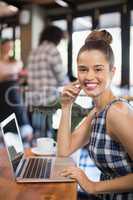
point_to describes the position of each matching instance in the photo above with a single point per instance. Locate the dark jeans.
(42, 123)
(85, 196)
(11, 101)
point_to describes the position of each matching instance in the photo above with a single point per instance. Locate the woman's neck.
(4, 57)
(101, 101)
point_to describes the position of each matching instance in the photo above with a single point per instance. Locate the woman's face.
(94, 72)
(7, 47)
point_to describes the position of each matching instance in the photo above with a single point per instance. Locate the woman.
(10, 96)
(107, 130)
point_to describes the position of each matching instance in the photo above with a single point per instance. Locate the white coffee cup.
(46, 145)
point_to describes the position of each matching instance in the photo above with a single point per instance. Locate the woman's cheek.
(80, 78)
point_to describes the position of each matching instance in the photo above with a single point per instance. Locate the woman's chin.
(91, 93)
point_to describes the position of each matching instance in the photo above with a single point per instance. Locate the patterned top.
(109, 156)
(45, 74)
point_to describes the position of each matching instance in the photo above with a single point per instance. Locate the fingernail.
(77, 86)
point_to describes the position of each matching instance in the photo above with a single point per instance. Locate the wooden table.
(10, 190)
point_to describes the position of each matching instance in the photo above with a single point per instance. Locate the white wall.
(37, 24)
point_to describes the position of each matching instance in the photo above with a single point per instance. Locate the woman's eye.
(82, 70)
(98, 69)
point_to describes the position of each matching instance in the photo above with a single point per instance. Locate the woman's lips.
(90, 86)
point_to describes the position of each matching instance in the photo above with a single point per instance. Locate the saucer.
(39, 152)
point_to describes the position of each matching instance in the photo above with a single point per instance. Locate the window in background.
(62, 47)
(8, 33)
(113, 26)
(131, 50)
(18, 49)
(18, 44)
(81, 28)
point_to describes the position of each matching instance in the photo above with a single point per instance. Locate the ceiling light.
(12, 8)
(62, 3)
(7, 10)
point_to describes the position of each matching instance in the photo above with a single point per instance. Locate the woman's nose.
(90, 75)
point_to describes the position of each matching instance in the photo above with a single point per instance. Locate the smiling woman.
(106, 130)
(93, 70)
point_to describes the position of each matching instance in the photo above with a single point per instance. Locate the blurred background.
(23, 20)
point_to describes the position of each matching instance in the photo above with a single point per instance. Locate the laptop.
(31, 169)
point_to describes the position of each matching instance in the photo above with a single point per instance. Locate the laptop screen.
(13, 142)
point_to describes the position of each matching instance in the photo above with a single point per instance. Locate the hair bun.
(99, 35)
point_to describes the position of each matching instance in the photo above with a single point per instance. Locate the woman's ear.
(113, 71)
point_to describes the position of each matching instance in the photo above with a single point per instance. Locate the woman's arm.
(10, 68)
(69, 142)
(120, 184)
(120, 127)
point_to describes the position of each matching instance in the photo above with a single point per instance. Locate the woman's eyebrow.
(98, 65)
(82, 66)
(95, 66)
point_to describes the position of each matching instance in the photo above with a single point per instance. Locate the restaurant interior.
(23, 20)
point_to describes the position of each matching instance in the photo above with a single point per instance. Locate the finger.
(70, 175)
(68, 95)
(65, 174)
(72, 168)
(73, 91)
(76, 82)
(77, 85)
(73, 176)
(68, 172)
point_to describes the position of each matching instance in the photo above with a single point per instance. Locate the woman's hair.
(99, 40)
(5, 40)
(52, 34)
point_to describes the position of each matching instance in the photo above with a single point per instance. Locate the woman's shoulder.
(120, 104)
(120, 123)
(119, 110)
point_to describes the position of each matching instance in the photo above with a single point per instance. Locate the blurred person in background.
(46, 73)
(10, 95)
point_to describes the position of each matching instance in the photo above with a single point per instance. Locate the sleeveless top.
(108, 155)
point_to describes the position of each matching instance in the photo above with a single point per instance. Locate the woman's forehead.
(91, 55)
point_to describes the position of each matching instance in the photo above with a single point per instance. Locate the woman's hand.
(69, 94)
(82, 179)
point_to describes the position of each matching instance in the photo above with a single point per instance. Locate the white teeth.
(91, 85)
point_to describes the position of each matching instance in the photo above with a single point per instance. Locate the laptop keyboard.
(38, 168)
